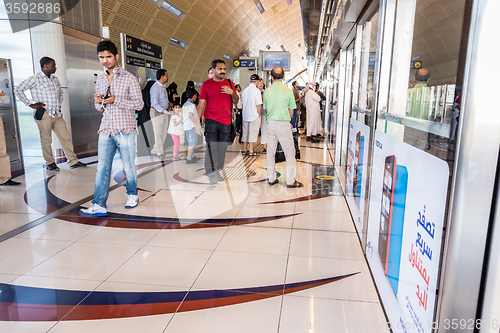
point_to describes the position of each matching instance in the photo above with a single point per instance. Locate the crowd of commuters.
(213, 112)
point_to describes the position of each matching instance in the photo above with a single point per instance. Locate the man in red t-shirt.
(217, 96)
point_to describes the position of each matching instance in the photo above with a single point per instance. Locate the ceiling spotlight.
(299, 44)
(282, 48)
(268, 46)
(226, 56)
(244, 55)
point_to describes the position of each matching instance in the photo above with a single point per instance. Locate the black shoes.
(295, 184)
(276, 181)
(11, 182)
(52, 166)
(78, 165)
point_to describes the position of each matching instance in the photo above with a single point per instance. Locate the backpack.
(143, 115)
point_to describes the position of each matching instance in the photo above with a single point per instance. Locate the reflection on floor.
(240, 256)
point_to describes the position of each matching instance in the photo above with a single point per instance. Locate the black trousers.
(217, 138)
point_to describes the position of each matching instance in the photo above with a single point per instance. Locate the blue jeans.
(295, 119)
(191, 137)
(126, 146)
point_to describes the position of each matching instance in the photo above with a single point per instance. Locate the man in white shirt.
(47, 94)
(252, 106)
(159, 111)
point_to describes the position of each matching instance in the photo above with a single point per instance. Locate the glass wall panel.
(413, 150)
(17, 47)
(362, 98)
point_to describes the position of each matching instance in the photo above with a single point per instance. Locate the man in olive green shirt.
(279, 103)
(420, 96)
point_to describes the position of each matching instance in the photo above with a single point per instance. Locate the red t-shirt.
(218, 105)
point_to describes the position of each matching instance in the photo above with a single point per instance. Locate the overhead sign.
(244, 63)
(153, 64)
(416, 65)
(139, 46)
(273, 59)
(136, 61)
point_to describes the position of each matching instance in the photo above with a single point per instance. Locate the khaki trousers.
(160, 126)
(58, 125)
(280, 131)
(5, 174)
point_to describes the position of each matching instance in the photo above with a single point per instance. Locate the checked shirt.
(43, 89)
(120, 115)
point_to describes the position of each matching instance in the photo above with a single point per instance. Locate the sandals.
(253, 154)
(245, 153)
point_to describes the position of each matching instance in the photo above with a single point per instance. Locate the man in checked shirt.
(118, 95)
(47, 93)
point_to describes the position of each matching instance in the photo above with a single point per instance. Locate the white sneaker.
(94, 210)
(132, 201)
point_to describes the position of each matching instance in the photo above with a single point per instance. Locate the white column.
(48, 40)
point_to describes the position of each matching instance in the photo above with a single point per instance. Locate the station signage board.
(244, 63)
(142, 47)
(136, 61)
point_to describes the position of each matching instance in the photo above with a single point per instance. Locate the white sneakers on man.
(94, 210)
(132, 201)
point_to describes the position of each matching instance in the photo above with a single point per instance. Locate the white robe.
(313, 113)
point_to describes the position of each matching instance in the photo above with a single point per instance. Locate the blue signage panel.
(244, 63)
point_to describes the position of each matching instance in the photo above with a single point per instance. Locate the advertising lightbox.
(359, 137)
(406, 216)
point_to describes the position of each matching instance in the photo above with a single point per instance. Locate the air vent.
(178, 43)
(169, 8)
(259, 6)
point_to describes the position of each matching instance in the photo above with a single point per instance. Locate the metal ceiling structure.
(211, 29)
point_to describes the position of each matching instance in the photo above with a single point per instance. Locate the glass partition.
(413, 151)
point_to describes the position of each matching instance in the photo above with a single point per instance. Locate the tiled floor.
(240, 256)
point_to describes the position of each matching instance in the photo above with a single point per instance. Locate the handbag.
(280, 154)
(232, 132)
(39, 113)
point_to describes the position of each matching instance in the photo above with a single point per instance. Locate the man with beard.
(217, 96)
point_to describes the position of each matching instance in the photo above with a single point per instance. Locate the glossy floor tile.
(239, 256)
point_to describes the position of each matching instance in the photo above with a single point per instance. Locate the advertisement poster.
(359, 136)
(406, 215)
(6, 95)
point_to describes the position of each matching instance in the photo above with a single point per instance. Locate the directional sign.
(142, 47)
(244, 63)
(416, 65)
(136, 61)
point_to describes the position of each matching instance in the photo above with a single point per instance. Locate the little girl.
(175, 129)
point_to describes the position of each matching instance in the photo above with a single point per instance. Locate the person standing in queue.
(279, 104)
(217, 96)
